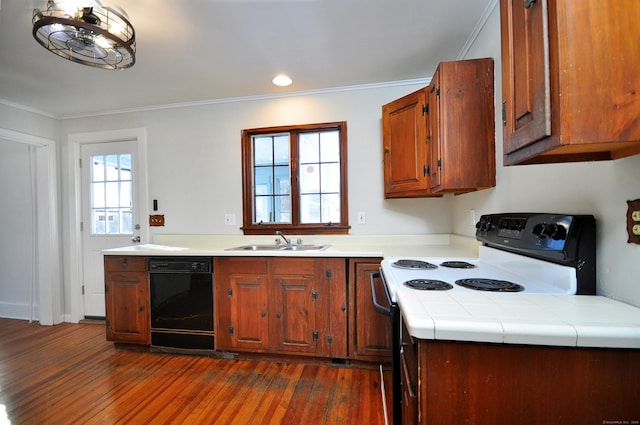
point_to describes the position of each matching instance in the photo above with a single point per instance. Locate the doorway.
(109, 197)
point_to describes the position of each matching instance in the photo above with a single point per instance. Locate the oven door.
(393, 312)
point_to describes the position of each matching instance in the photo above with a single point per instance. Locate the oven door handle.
(379, 308)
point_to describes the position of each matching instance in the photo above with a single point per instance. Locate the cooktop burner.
(458, 265)
(414, 264)
(428, 284)
(493, 285)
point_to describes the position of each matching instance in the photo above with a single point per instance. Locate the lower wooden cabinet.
(281, 305)
(370, 331)
(127, 299)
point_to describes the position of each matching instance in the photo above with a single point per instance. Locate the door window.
(111, 195)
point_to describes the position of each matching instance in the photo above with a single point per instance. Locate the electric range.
(521, 253)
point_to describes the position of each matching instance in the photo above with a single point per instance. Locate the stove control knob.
(483, 225)
(550, 231)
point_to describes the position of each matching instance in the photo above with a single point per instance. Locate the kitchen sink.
(279, 248)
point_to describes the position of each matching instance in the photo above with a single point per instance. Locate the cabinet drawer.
(129, 263)
(293, 265)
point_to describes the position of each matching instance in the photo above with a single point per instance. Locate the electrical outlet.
(229, 219)
(362, 219)
(156, 220)
(633, 221)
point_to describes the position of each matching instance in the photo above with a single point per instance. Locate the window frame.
(295, 227)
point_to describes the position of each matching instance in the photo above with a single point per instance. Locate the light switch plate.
(633, 225)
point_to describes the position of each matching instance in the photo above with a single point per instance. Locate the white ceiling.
(205, 50)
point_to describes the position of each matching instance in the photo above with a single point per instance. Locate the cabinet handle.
(124, 263)
(278, 315)
(528, 3)
(386, 149)
(264, 314)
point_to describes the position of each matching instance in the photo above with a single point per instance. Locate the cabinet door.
(462, 126)
(525, 73)
(405, 154)
(372, 336)
(294, 305)
(249, 315)
(242, 320)
(127, 307)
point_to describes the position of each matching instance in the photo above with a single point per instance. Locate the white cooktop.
(536, 276)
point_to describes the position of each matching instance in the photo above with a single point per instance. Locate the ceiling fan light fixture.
(93, 35)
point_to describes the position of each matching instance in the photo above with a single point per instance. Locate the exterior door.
(110, 218)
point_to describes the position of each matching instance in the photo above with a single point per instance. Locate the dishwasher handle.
(379, 308)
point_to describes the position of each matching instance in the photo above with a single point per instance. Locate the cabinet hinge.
(106, 289)
(425, 109)
(316, 335)
(82, 288)
(81, 226)
(330, 339)
(328, 273)
(504, 112)
(79, 162)
(230, 292)
(425, 170)
(439, 163)
(314, 295)
(230, 330)
(437, 91)
(108, 323)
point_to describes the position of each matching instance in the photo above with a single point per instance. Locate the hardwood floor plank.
(69, 373)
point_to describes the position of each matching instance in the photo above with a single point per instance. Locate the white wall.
(16, 216)
(598, 188)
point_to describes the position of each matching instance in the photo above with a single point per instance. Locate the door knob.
(135, 239)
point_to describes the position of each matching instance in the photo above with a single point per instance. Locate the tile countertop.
(339, 246)
(532, 319)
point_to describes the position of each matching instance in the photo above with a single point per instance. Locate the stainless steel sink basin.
(279, 248)
(304, 247)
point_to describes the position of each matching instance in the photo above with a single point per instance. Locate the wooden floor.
(69, 374)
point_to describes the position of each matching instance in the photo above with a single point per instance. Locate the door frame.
(47, 242)
(75, 142)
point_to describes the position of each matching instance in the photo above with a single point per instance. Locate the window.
(294, 179)
(111, 195)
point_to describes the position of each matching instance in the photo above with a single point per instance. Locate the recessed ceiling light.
(281, 80)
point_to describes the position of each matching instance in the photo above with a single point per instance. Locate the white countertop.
(512, 318)
(339, 246)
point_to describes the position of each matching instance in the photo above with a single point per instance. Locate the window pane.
(281, 149)
(330, 177)
(330, 208)
(330, 146)
(309, 147)
(310, 209)
(97, 199)
(283, 180)
(262, 151)
(309, 178)
(97, 168)
(126, 221)
(112, 167)
(125, 166)
(112, 194)
(263, 181)
(126, 198)
(98, 220)
(264, 209)
(283, 209)
(113, 221)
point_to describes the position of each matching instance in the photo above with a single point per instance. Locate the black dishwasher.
(181, 292)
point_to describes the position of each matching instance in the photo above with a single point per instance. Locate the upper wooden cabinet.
(441, 139)
(462, 126)
(405, 150)
(570, 80)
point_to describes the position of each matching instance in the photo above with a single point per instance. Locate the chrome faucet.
(279, 233)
